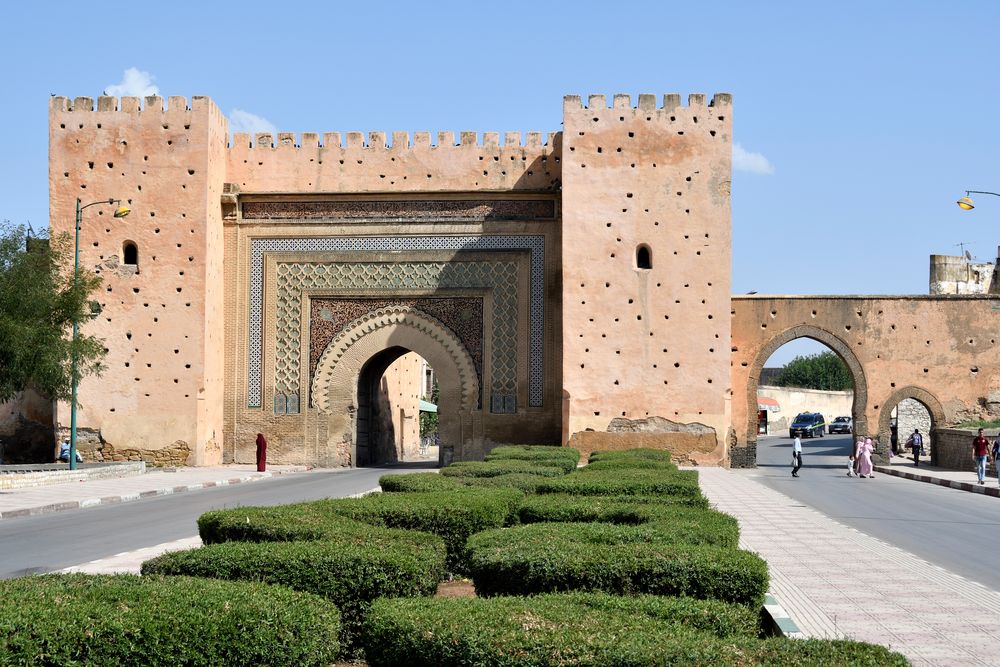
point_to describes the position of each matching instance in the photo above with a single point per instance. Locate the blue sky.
(860, 122)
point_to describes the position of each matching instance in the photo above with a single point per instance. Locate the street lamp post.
(965, 203)
(120, 212)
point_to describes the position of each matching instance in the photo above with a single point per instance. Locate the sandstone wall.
(646, 182)
(161, 317)
(941, 350)
(26, 429)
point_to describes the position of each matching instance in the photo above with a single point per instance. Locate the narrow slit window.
(643, 257)
(130, 254)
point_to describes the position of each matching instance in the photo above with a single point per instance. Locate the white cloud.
(244, 121)
(755, 163)
(134, 83)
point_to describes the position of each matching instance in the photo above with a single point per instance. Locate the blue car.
(807, 425)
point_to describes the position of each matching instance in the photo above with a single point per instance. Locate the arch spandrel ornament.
(341, 361)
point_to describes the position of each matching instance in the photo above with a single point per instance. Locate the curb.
(137, 495)
(777, 620)
(948, 483)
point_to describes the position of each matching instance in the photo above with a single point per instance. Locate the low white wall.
(794, 400)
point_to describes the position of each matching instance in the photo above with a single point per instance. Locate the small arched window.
(130, 254)
(643, 257)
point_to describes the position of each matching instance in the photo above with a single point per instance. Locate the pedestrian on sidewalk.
(916, 443)
(261, 453)
(796, 456)
(981, 449)
(995, 454)
(850, 465)
(865, 463)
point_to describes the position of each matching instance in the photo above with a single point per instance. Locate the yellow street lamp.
(965, 203)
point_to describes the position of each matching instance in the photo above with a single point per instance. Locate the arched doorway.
(350, 369)
(394, 388)
(935, 413)
(835, 345)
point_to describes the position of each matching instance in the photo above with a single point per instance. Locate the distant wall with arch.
(941, 350)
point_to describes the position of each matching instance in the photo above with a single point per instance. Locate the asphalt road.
(957, 530)
(55, 541)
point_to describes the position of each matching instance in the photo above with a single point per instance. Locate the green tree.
(816, 371)
(39, 301)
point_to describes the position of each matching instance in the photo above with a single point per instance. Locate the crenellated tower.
(162, 296)
(646, 268)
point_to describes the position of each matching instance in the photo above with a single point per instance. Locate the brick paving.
(837, 582)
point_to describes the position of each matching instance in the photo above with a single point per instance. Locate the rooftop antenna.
(968, 255)
(962, 245)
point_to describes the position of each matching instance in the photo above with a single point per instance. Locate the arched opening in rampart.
(899, 414)
(819, 402)
(348, 385)
(393, 407)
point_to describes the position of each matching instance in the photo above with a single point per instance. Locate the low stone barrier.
(22, 476)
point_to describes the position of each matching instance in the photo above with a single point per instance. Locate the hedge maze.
(619, 562)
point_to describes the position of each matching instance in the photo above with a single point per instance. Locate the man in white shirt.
(796, 456)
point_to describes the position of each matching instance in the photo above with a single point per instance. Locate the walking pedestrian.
(981, 450)
(865, 462)
(850, 465)
(261, 453)
(995, 453)
(916, 443)
(858, 446)
(796, 456)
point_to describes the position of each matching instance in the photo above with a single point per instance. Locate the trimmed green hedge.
(581, 629)
(453, 515)
(545, 468)
(418, 482)
(423, 482)
(299, 522)
(628, 464)
(625, 483)
(641, 454)
(710, 526)
(534, 453)
(349, 575)
(96, 621)
(625, 560)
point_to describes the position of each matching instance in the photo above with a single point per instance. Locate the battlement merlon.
(646, 102)
(129, 105)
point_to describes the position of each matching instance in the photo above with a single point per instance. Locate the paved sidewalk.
(837, 582)
(953, 479)
(35, 500)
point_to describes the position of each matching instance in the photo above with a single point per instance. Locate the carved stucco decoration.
(438, 338)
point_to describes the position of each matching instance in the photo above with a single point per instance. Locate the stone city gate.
(940, 350)
(329, 305)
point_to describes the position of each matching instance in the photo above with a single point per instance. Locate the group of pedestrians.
(859, 463)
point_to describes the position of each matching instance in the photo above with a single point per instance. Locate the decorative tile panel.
(535, 245)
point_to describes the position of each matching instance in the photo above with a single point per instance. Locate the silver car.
(841, 425)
